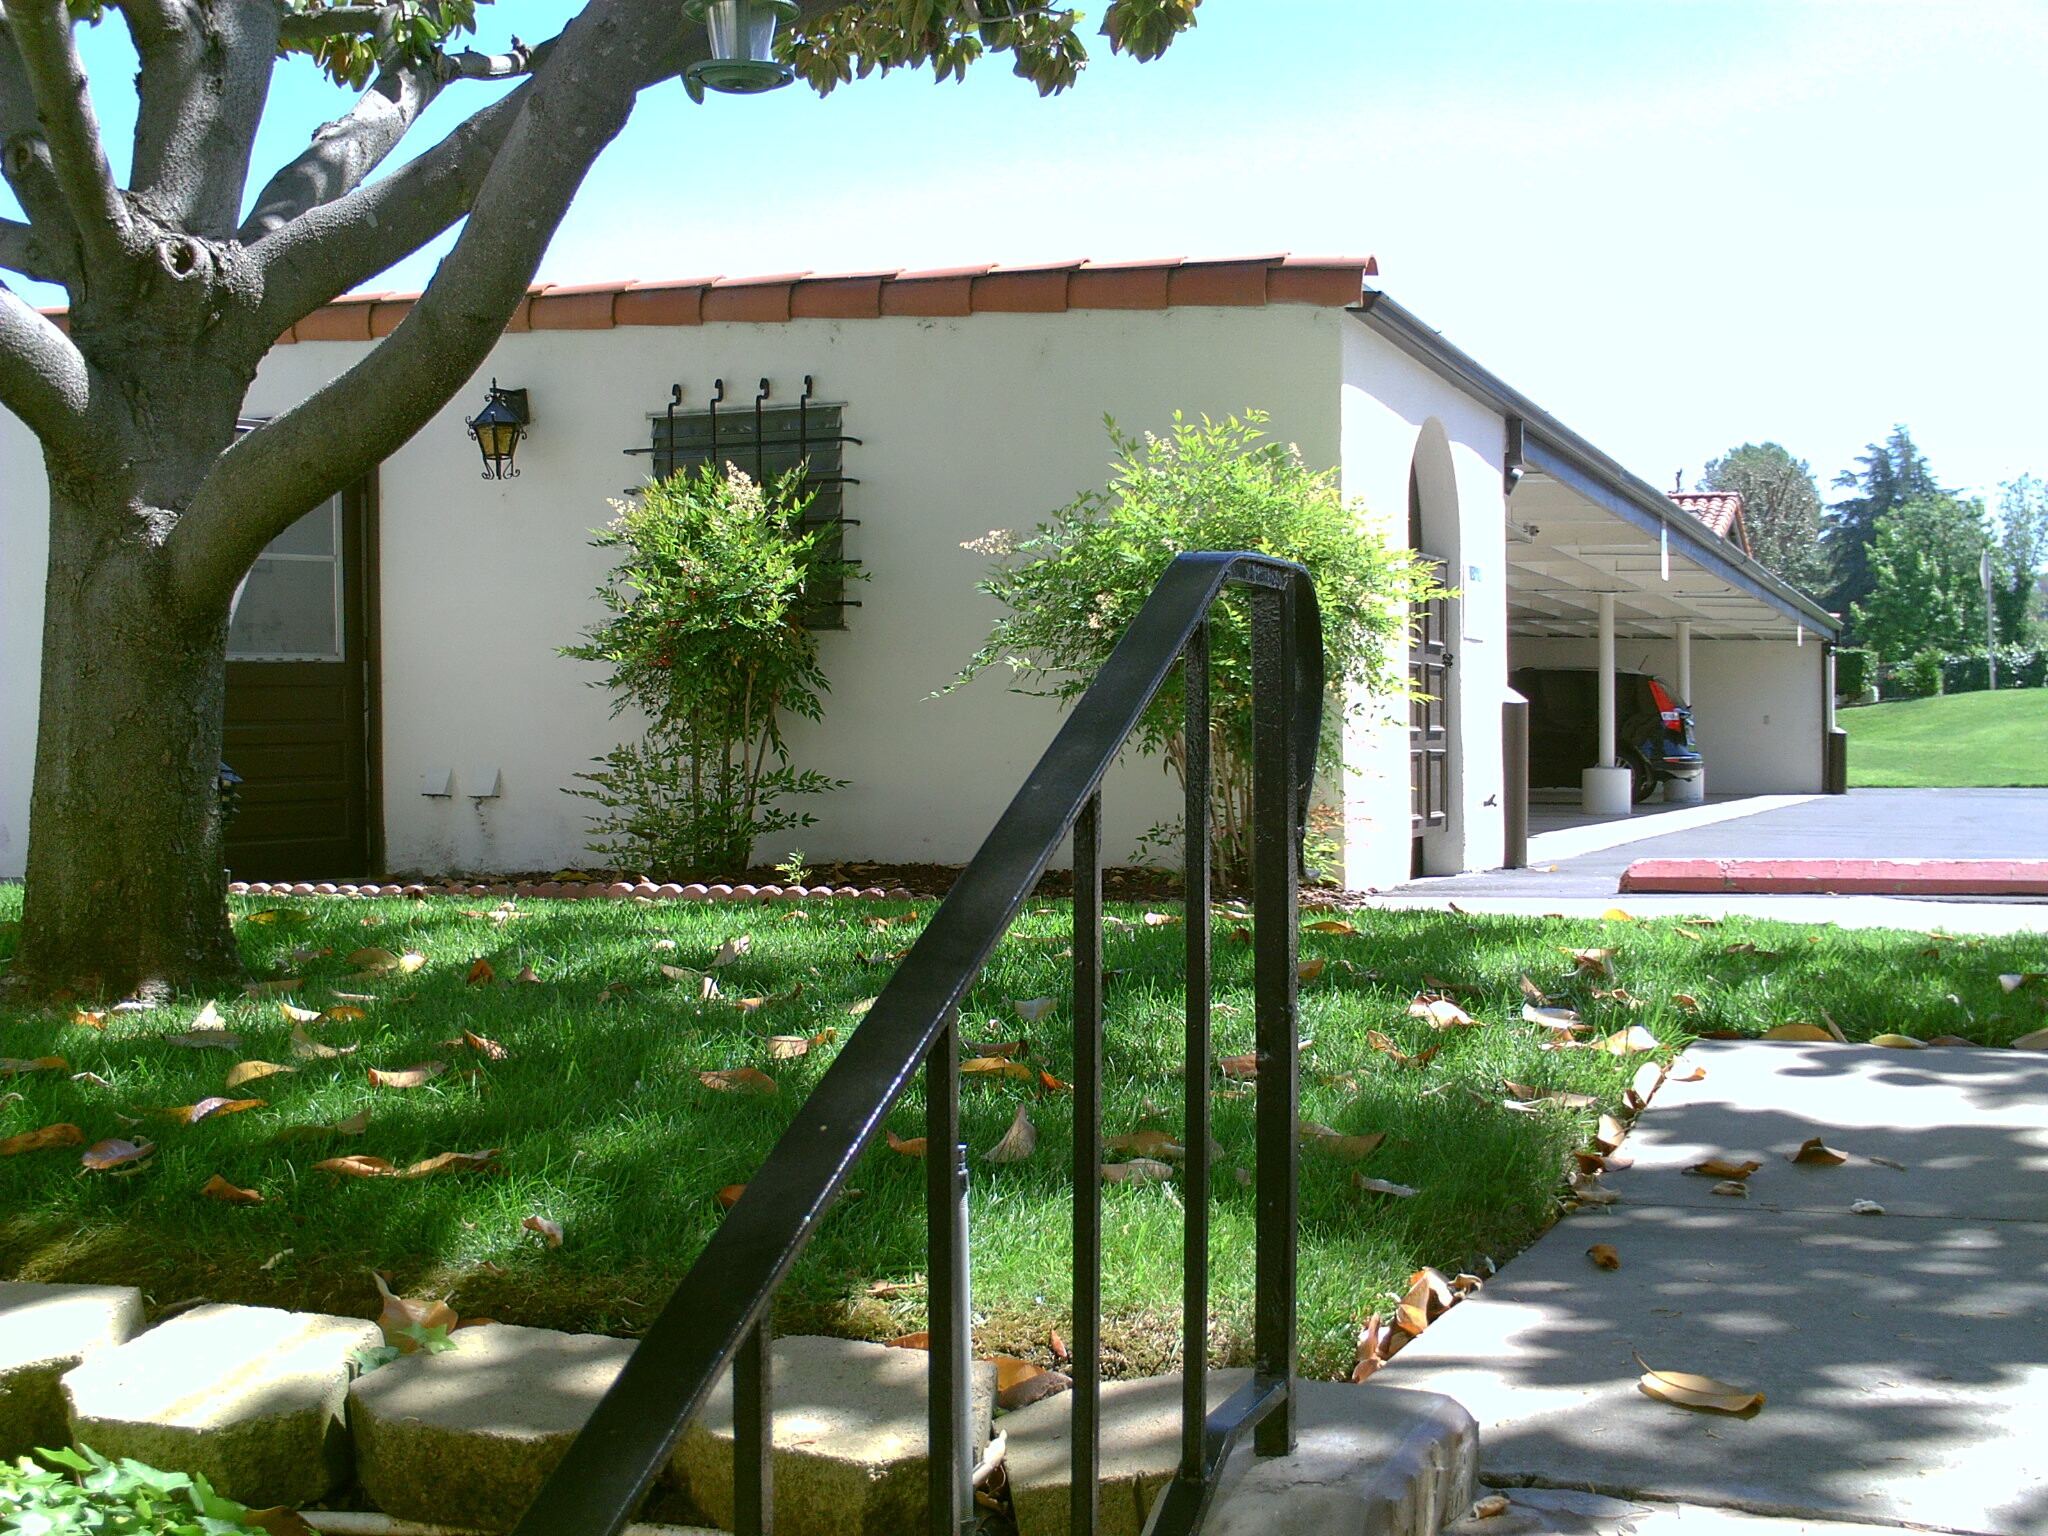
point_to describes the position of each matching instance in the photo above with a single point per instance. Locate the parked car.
(1652, 730)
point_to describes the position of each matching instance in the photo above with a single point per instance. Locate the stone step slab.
(1370, 1460)
(46, 1330)
(252, 1397)
(465, 1438)
(850, 1443)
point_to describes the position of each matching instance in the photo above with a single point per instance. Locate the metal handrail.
(718, 1314)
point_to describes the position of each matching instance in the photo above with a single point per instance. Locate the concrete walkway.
(1575, 866)
(1903, 1354)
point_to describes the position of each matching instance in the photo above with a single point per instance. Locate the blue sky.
(1678, 224)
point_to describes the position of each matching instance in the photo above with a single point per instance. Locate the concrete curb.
(590, 890)
(1841, 877)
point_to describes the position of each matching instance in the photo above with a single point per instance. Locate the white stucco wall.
(1392, 406)
(1757, 705)
(24, 551)
(986, 421)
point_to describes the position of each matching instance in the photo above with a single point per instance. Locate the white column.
(1606, 680)
(1685, 662)
(1693, 790)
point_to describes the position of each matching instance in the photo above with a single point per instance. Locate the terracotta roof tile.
(1025, 288)
(1720, 511)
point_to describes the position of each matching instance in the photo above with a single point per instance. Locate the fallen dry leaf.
(1429, 1294)
(1616, 915)
(407, 1077)
(354, 1125)
(249, 1071)
(731, 950)
(306, 1048)
(1604, 1256)
(1160, 920)
(730, 1195)
(2036, 1041)
(1339, 1147)
(1380, 1042)
(1019, 1141)
(1020, 1383)
(1644, 1085)
(921, 1339)
(1150, 1143)
(1815, 1151)
(1010, 1050)
(1309, 970)
(342, 1013)
(299, 1015)
(1329, 925)
(481, 972)
(739, 1080)
(1701, 1392)
(208, 1017)
(2012, 981)
(1732, 1187)
(1552, 1018)
(1032, 1009)
(115, 1153)
(1384, 1187)
(912, 1146)
(1240, 1068)
(1689, 1072)
(1629, 1042)
(411, 1323)
(1609, 1134)
(1899, 1042)
(17, 1066)
(997, 1066)
(1865, 1208)
(549, 1232)
(62, 1134)
(87, 1018)
(218, 1188)
(1591, 962)
(1725, 1168)
(1685, 1002)
(490, 1050)
(788, 1047)
(1440, 1012)
(275, 988)
(1139, 1170)
(1371, 1349)
(1797, 1031)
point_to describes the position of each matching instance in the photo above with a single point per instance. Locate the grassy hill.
(1962, 740)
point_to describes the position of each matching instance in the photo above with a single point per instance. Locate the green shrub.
(1204, 486)
(93, 1496)
(1919, 677)
(1855, 670)
(705, 643)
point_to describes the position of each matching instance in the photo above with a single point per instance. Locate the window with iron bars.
(767, 442)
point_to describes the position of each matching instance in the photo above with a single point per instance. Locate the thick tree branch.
(205, 74)
(50, 63)
(43, 380)
(346, 150)
(337, 21)
(23, 250)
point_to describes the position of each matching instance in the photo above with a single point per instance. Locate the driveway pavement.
(1575, 866)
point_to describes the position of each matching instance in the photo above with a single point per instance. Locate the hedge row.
(1932, 672)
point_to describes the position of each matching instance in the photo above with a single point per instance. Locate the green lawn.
(1959, 740)
(603, 1125)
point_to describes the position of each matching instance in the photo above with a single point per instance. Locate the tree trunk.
(125, 890)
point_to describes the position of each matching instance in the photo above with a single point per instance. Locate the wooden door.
(301, 700)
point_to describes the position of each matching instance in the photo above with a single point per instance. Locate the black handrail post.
(1085, 1425)
(1195, 1079)
(949, 1316)
(753, 1433)
(1276, 851)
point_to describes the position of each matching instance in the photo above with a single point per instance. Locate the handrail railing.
(719, 1313)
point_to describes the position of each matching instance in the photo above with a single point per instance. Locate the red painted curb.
(1841, 877)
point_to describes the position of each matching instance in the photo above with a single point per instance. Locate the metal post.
(753, 1434)
(1607, 759)
(1194, 1299)
(1514, 767)
(949, 1312)
(1085, 1436)
(1685, 662)
(1990, 619)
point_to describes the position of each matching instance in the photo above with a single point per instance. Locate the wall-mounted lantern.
(497, 428)
(742, 36)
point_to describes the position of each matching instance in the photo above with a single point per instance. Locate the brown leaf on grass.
(1160, 920)
(1149, 1142)
(1629, 1042)
(2034, 1041)
(549, 1232)
(490, 1050)
(1591, 962)
(2012, 981)
(342, 1013)
(1725, 1168)
(1009, 1050)
(909, 1146)
(1240, 1068)
(921, 1339)
(997, 1066)
(1373, 1186)
(1685, 1002)
(1604, 1256)
(1701, 1392)
(1444, 988)
(752, 1004)
(788, 1047)
(1590, 1191)
(1689, 1072)
(730, 1195)
(18, 1066)
(87, 1018)
(1019, 1141)
(1552, 1018)
(358, 1165)
(206, 1109)
(218, 1188)
(412, 1323)
(299, 1015)
(739, 1080)
(1643, 1087)
(1797, 1031)
(1371, 1349)
(1532, 992)
(731, 950)
(62, 1134)
(1329, 925)
(1441, 1013)
(1429, 1294)
(249, 1071)
(306, 1048)
(1620, 995)
(453, 1162)
(1020, 1383)
(1339, 1147)
(526, 977)
(115, 1152)
(1380, 1042)
(481, 973)
(1309, 970)
(1049, 1084)
(1609, 1134)
(407, 1077)
(1899, 1042)
(275, 988)
(1139, 1170)
(1814, 1151)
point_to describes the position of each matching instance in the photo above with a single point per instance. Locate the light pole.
(1990, 626)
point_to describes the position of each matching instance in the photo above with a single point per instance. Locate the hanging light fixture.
(497, 428)
(742, 35)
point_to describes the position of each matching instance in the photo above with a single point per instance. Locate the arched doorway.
(1434, 774)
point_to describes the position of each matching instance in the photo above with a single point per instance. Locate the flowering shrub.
(703, 642)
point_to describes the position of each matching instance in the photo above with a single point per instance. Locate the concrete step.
(46, 1330)
(1842, 877)
(250, 1396)
(1370, 1460)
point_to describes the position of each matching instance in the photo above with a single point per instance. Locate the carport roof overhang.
(1580, 525)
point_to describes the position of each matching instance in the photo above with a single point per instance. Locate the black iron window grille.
(718, 1316)
(768, 441)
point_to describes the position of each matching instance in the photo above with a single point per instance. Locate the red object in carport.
(1842, 877)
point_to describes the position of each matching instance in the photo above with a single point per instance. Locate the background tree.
(1780, 507)
(1925, 585)
(179, 283)
(2017, 602)
(1891, 474)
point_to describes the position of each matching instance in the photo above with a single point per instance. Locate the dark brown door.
(300, 697)
(1429, 736)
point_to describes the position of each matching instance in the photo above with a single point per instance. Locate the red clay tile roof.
(1721, 511)
(1036, 288)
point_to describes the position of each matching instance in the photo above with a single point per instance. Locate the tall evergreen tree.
(1780, 508)
(1889, 475)
(2017, 600)
(1925, 586)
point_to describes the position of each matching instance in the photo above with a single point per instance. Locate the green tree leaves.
(1780, 508)
(1925, 589)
